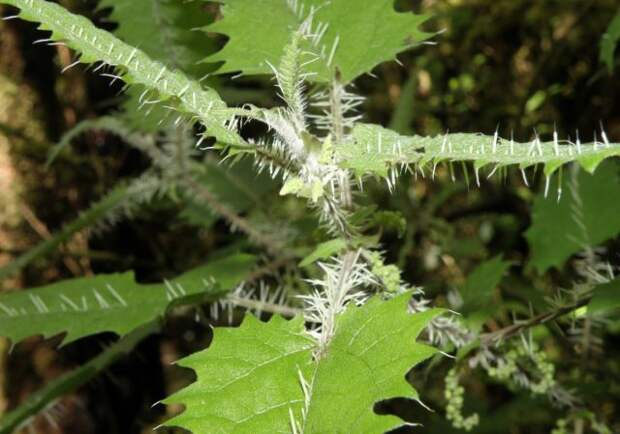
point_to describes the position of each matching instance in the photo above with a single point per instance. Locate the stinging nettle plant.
(348, 342)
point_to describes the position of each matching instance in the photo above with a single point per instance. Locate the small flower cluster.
(524, 366)
(454, 393)
(562, 425)
(443, 330)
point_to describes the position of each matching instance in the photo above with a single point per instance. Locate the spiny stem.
(336, 299)
(273, 246)
(180, 136)
(335, 98)
(495, 337)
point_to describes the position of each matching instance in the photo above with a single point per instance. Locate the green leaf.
(477, 292)
(405, 110)
(368, 32)
(609, 42)
(373, 149)
(187, 96)
(373, 349)
(606, 298)
(250, 379)
(111, 302)
(165, 31)
(324, 251)
(584, 217)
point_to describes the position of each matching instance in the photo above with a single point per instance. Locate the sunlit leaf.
(262, 377)
(361, 34)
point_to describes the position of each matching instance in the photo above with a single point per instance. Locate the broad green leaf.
(165, 31)
(609, 42)
(606, 298)
(111, 302)
(324, 251)
(187, 96)
(584, 217)
(372, 351)
(250, 379)
(373, 149)
(361, 33)
(70, 381)
(477, 292)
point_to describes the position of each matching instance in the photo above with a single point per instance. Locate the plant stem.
(514, 329)
(272, 245)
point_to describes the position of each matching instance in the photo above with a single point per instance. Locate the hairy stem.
(495, 337)
(273, 246)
